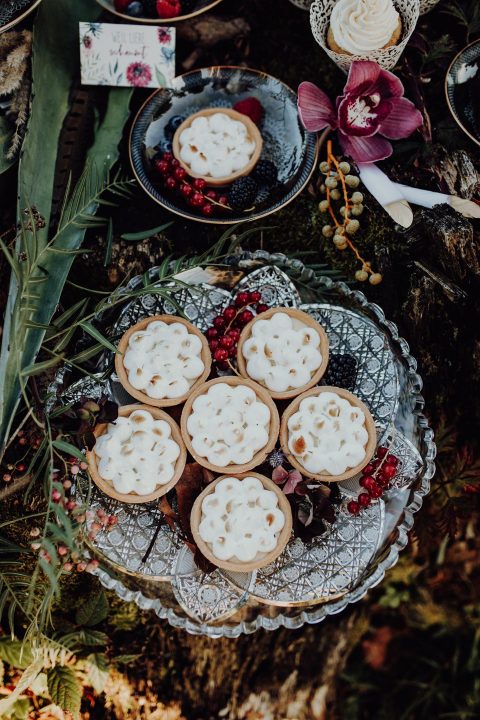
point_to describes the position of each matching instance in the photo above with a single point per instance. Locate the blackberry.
(188, 6)
(150, 8)
(341, 372)
(265, 173)
(242, 193)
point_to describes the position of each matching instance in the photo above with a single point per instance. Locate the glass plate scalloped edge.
(298, 271)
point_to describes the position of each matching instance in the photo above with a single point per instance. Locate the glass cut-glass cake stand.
(144, 561)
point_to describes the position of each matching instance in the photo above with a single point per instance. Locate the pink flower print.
(139, 74)
(164, 36)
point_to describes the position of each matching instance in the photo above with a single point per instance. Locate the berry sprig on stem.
(376, 477)
(193, 190)
(353, 207)
(224, 334)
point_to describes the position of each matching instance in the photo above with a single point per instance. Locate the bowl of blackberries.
(158, 11)
(222, 145)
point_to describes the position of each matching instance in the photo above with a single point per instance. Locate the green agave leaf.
(64, 688)
(38, 368)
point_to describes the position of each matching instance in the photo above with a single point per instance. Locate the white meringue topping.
(137, 453)
(228, 425)
(216, 146)
(163, 360)
(240, 519)
(282, 353)
(361, 26)
(327, 434)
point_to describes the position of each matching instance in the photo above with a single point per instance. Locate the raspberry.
(168, 8)
(251, 107)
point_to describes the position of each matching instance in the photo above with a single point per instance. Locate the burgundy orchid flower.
(372, 105)
(291, 479)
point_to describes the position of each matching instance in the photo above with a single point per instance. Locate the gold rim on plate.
(453, 111)
(20, 18)
(156, 21)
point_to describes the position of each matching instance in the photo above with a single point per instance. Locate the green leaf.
(109, 242)
(124, 659)
(97, 671)
(15, 653)
(65, 690)
(144, 234)
(68, 448)
(41, 367)
(93, 332)
(93, 610)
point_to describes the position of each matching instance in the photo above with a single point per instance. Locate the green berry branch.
(342, 231)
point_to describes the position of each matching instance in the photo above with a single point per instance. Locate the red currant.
(207, 209)
(213, 344)
(211, 194)
(223, 200)
(245, 317)
(229, 313)
(219, 322)
(21, 467)
(353, 507)
(392, 460)
(171, 183)
(167, 156)
(242, 299)
(261, 308)
(220, 355)
(233, 351)
(234, 333)
(222, 365)
(255, 296)
(174, 163)
(364, 500)
(180, 173)
(211, 333)
(389, 471)
(227, 342)
(376, 491)
(162, 167)
(197, 200)
(368, 482)
(186, 189)
(368, 469)
(199, 183)
(381, 452)
(381, 478)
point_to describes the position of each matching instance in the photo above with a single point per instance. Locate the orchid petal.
(357, 117)
(403, 119)
(362, 75)
(365, 149)
(389, 85)
(315, 108)
(279, 475)
(294, 479)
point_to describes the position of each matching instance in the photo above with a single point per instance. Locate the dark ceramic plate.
(14, 11)
(462, 88)
(201, 6)
(293, 150)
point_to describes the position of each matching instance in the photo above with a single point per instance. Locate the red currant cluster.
(225, 332)
(24, 444)
(193, 190)
(376, 478)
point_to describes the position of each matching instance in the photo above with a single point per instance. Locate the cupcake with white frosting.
(359, 27)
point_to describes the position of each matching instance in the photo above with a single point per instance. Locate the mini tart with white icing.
(139, 457)
(285, 350)
(328, 434)
(160, 360)
(218, 145)
(359, 27)
(241, 522)
(230, 424)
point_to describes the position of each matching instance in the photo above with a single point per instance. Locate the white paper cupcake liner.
(387, 58)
